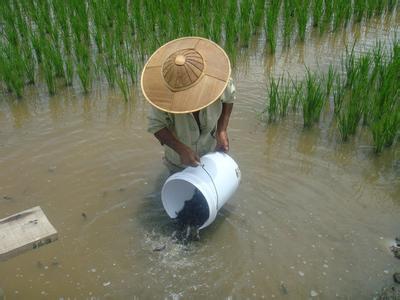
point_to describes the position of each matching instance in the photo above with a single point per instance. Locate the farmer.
(187, 82)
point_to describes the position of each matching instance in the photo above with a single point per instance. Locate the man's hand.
(188, 156)
(222, 141)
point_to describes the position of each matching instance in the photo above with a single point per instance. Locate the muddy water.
(312, 217)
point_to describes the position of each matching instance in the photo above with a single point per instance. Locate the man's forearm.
(223, 120)
(165, 136)
(187, 155)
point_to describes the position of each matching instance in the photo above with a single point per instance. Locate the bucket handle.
(215, 188)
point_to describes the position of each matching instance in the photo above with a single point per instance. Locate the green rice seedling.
(354, 107)
(357, 104)
(69, 70)
(391, 4)
(273, 97)
(377, 56)
(131, 19)
(131, 66)
(45, 15)
(52, 53)
(348, 12)
(342, 12)
(28, 62)
(245, 32)
(313, 100)
(288, 20)
(216, 26)
(343, 126)
(349, 64)
(127, 62)
(296, 97)
(60, 11)
(120, 21)
(163, 22)
(108, 68)
(99, 26)
(108, 61)
(188, 21)
(122, 81)
(138, 18)
(216, 30)
(349, 117)
(151, 9)
(48, 68)
(301, 7)
(338, 15)
(328, 14)
(272, 14)
(317, 8)
(49, 76)
(361, 89)
(385, 129)
(9, 27)
(35, 41)
(258, 15)
(380, 7)
(206, 20)
(338, 95)
(330, 77)
(231, 28)
(29, 67)
(80, 21)
(57, 58)
(21, 22)
(385, 112)
(12, 70)
(359, 9)
(83, 65)
(371, 6)
(284, 98)
(4, 71)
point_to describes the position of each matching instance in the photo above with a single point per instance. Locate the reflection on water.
(312, 216)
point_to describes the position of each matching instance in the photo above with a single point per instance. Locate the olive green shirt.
(184, 126)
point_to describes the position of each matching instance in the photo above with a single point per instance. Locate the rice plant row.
(365, 92)
(62, 42)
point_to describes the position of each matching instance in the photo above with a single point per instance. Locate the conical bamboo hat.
(185, 75)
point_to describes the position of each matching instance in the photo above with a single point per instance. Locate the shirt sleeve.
(157, 120)
(229, 95)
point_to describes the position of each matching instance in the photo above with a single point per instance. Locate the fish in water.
(195, 212)
(159, 248)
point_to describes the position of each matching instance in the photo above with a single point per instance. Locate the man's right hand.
(188, 156)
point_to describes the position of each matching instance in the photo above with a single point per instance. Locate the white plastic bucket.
(217, 178)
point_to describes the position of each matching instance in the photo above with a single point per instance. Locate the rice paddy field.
(315, 131)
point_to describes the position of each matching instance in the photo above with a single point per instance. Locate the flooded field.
(312, 218)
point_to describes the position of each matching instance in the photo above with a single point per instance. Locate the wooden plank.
(29, 229)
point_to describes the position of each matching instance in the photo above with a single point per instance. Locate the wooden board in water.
(23, 231)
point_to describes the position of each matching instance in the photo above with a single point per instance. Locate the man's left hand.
(222, 141)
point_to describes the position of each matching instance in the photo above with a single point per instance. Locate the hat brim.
(209, 88)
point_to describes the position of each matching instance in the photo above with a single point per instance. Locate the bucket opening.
(185, 202)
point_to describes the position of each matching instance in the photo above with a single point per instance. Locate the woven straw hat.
(185, 75)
